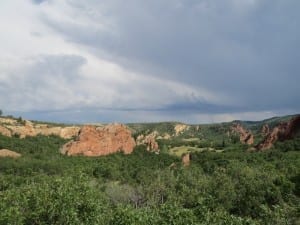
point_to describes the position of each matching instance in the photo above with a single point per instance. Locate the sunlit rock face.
(93, 141)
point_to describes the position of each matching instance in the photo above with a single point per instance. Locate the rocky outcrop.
(100, 141)
(23, 131)
(63, 132)
(9, 153)
(265, 130)
(5, 132)
(148, 140)
(180, 128)
(246, 137)
(269, 140)
(69, 132)
(282, 132)
(10, 121)
(11, 127)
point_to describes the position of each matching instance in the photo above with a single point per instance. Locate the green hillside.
(218, 136)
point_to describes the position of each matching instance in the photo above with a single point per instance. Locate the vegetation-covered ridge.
(183, 138)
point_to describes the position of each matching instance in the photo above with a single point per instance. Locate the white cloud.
(41, 70)
(58, 82)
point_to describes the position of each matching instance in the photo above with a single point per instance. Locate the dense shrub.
(233, 187)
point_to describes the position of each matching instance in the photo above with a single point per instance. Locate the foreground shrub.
(54, 201)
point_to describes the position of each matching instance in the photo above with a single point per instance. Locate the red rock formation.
(283, 131)
(149, 141)
(265, 130)
(151, 144)
(246, 137)
(93, 141)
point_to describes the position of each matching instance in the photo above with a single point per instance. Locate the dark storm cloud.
(248, 50)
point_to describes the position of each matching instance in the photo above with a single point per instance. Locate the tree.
(1, 112)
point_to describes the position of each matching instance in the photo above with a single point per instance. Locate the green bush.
(232, 187)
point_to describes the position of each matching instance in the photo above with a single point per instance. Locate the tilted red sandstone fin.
(246, 137)
(282, 132)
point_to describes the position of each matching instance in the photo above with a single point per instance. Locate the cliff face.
(93, 141)
(282, 132)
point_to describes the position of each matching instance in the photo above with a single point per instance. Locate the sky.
(194, 61)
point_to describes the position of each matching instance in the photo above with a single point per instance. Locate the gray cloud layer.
(248, 49)
(234, 56)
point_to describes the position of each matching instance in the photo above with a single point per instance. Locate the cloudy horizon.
(194, 61)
